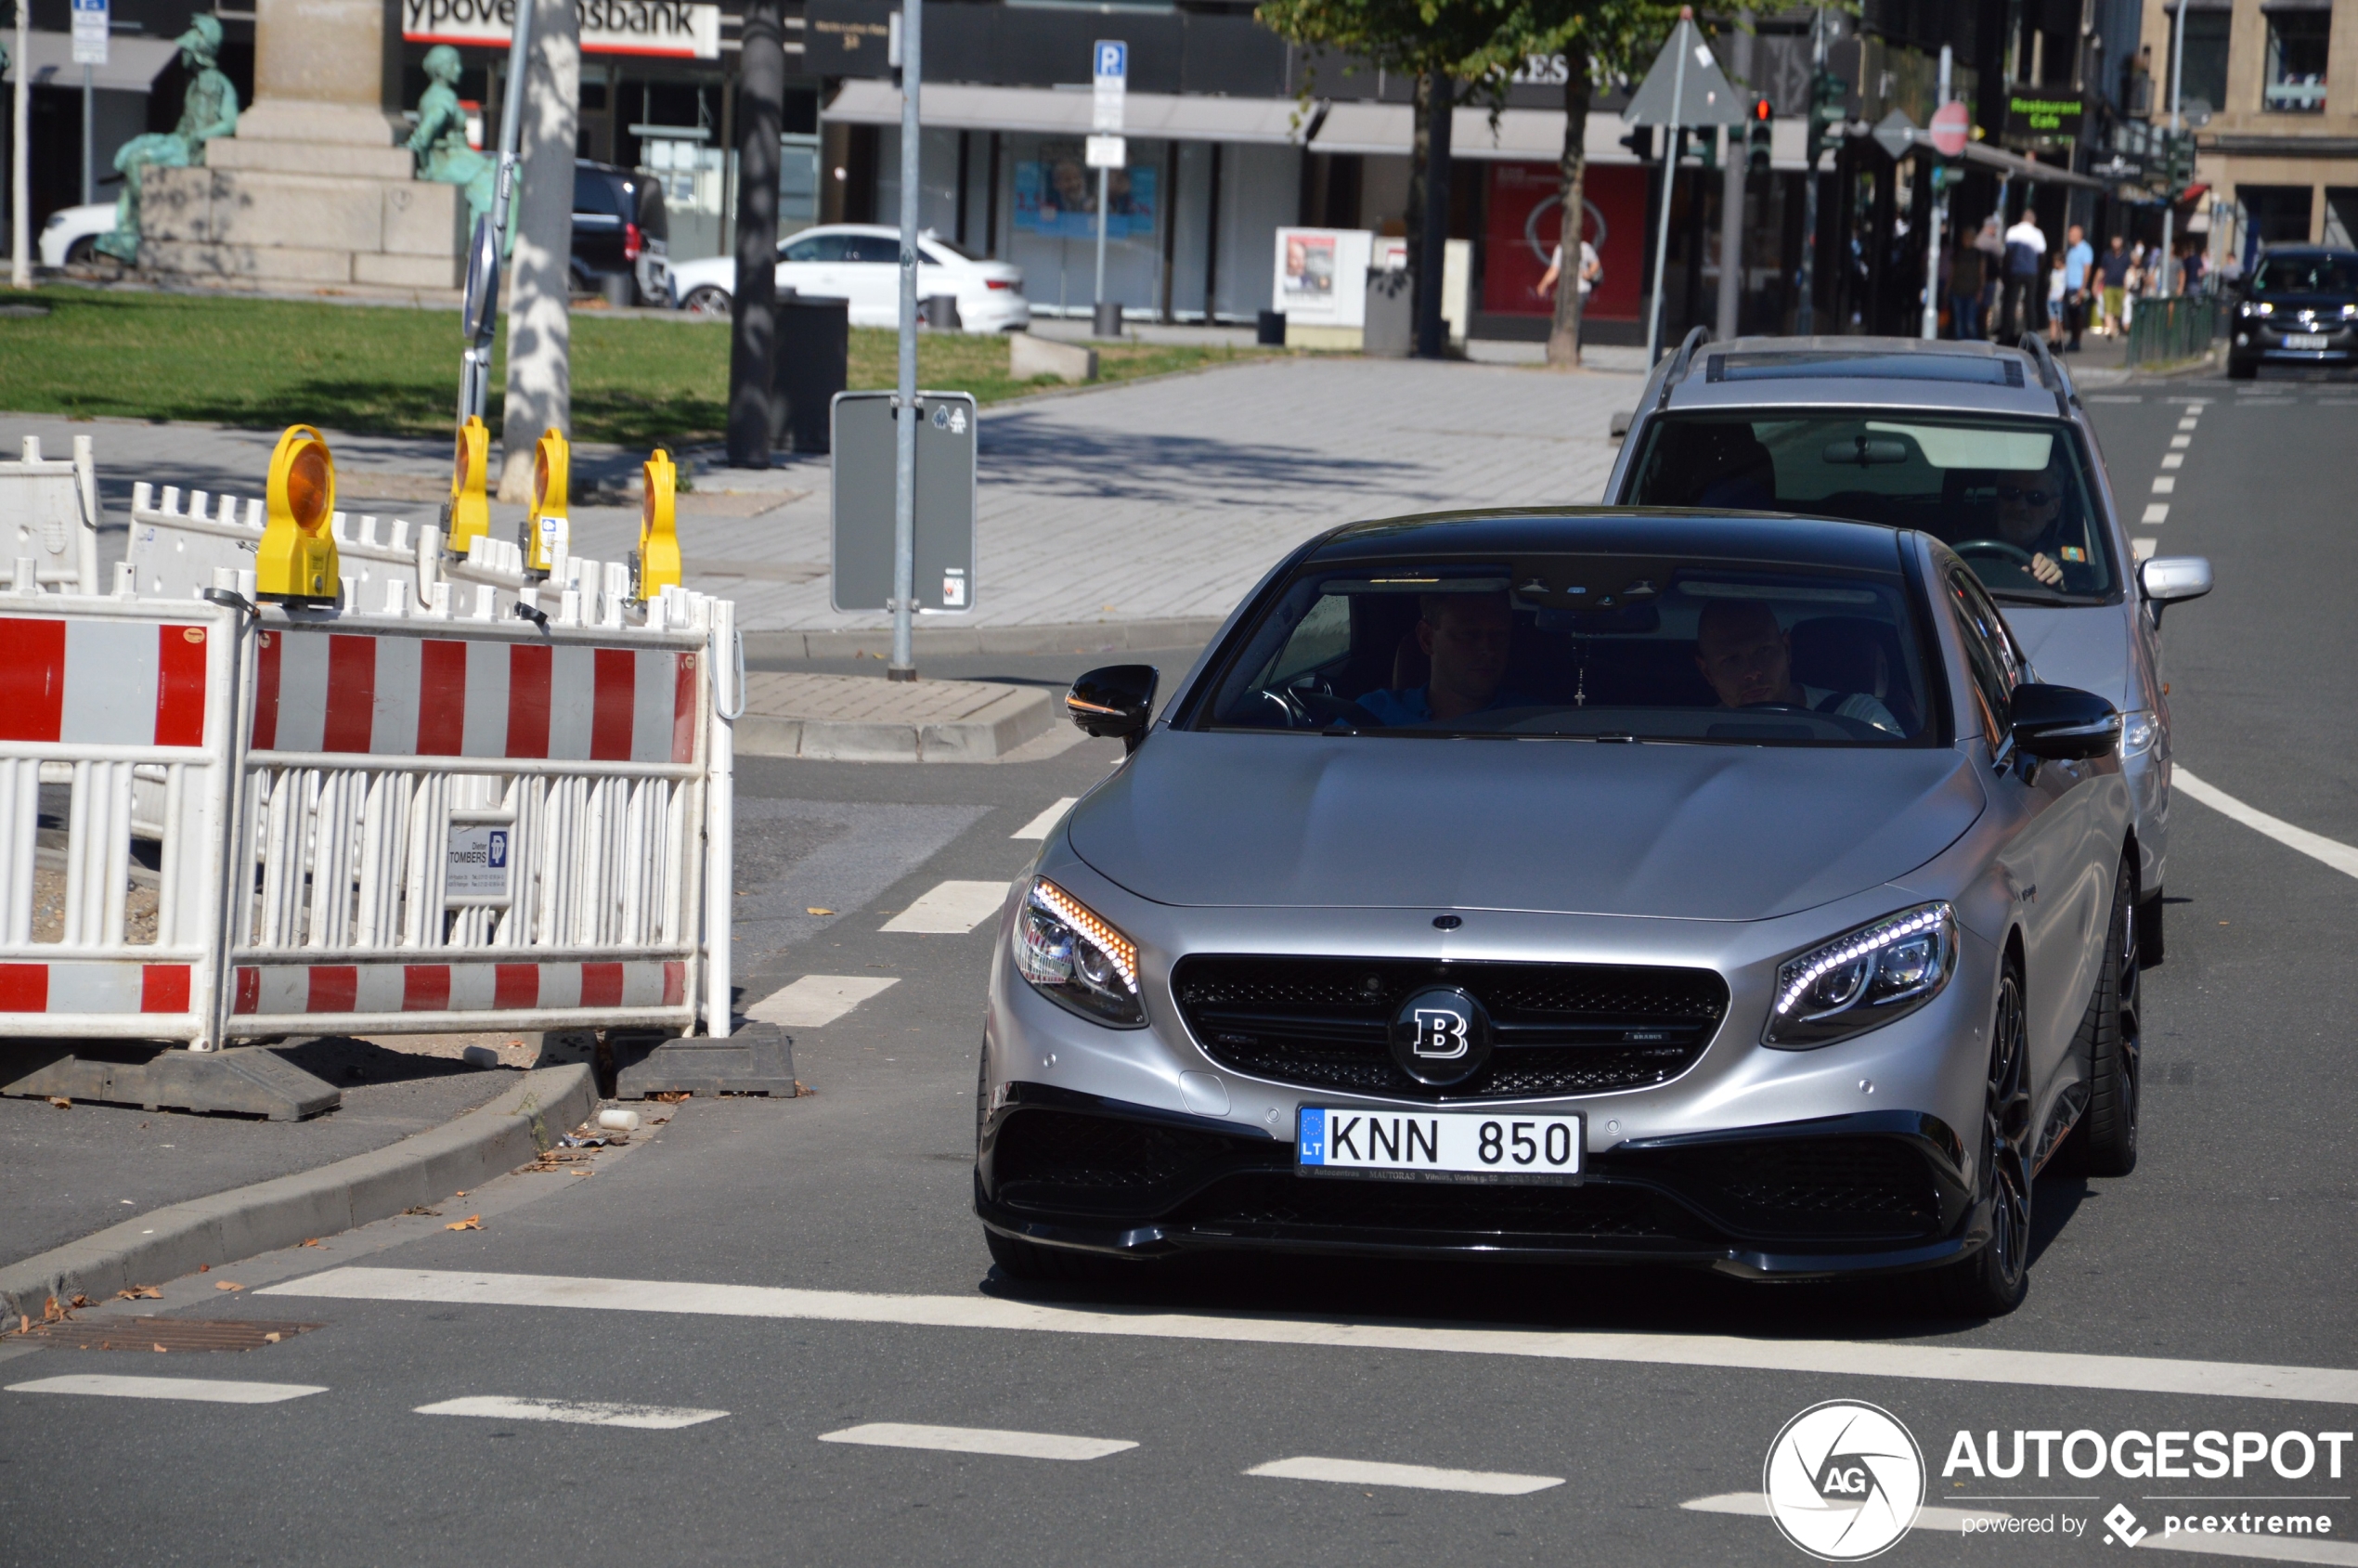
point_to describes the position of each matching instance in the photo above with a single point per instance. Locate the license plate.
(1445, 1145)
(2304, 340)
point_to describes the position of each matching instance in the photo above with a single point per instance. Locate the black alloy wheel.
(707, 302)
(2104, 1143)
(1993, 1280)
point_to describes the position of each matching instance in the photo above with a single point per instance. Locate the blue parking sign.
(1113, 60)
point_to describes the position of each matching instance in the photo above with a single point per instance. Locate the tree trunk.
(1420, 160)
(1563, 333)
(540, 392)
(1432, 333)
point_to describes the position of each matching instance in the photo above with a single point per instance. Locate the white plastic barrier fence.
(103, 701)
(51, 511)
(178, 545)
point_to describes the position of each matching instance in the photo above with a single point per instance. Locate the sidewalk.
(1157, 500)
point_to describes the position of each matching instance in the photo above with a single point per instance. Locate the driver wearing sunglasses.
(2028, 505)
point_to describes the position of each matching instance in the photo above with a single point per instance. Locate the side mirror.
(1115, 703)
(2168, 578)
(2063, 723)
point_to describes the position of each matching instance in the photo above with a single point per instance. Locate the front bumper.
(1837, 1194)
(2265, 344)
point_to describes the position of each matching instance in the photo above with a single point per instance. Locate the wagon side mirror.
(2165, 579)
(2063, 723)
(1115, 703)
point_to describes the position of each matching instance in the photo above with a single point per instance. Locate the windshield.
(2011, 497)
(1605, 647)
(2306, 275)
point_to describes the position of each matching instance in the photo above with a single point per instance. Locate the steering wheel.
(2012, 553)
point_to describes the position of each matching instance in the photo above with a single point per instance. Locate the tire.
(2241, 369)
(2104, 1143)
(709, 300)
(82, 252)
(1027, 1262)
(1994, 1281)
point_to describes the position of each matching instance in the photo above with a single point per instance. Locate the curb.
(1070, 637)
(243, 1221)
(1018, 714)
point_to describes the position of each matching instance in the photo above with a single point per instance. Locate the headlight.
(2266, 308)
(1863, 978)
(2139, 729)
(1075, 959)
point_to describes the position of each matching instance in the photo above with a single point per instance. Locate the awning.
(1524, 136)
(1059, 112)
(132, 65)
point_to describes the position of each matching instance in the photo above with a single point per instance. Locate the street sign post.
(1109, 81)
(1951, 128)
(89, 51)
(903, 591)
(1896, 134)
(1684, 88)
(863, 466)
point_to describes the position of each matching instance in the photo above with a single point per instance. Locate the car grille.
(1557, 1029)
(1854, 1187)
(1259, 1201)
(1069, 1160)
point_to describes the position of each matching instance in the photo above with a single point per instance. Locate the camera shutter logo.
(1844, 1481)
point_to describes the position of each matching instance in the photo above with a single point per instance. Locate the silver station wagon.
(1593, 884)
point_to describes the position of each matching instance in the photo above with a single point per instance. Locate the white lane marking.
(1953, 1520)
(2188, 424)
(2324, 1385)
(211, 1390)
(2155, 512)
(574, 1412)
(1367, 1472)
(2164, 484)
(979, 1440)
(2143, 549)
(817, 999)
(2173, 459)
(2316, 846)
(1045, 822)
(950, 907)
(2115, 398)
(2180, 442)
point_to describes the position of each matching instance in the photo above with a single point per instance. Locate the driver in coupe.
(1747, 658)
(1467, 638)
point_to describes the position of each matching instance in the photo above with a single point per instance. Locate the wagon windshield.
(1603, 647)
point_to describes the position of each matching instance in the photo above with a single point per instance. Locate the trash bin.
(812, 364)
(942, 313)
(1389, 331)
(1106, 320)
(1270, 329)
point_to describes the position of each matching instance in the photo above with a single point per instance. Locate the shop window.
(2204, 78)
(2295, 83)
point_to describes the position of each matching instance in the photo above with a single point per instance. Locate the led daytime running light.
(1119, 950)
(1873, 939)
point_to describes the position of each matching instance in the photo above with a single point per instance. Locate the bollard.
(295, 560)
(654, 565)
(547, 534)
(466, 516)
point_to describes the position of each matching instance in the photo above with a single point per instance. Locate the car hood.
(1694, 832)
(2087, 648)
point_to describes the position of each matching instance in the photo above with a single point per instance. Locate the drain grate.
(151, 1334)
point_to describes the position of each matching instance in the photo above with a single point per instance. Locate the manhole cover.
(151, 1334)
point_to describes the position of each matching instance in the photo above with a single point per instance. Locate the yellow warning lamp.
(467, 516)
(656, 564)
(295, 563)
(548, 530)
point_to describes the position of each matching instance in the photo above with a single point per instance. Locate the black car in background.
(620, 235)
(2300, 309)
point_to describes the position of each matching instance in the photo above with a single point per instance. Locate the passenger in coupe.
(1466, 638)
(1747, 658)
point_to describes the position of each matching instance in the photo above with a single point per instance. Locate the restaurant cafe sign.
(2036, 115)
(674, 28)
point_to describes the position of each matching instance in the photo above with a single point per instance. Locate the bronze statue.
(440, 140)
(209, 109)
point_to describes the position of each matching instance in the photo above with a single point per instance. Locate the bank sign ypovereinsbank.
(674, 28)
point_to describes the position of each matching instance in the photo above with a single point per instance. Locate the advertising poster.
(1522, 229)
(1056, 197)
(1308, 277)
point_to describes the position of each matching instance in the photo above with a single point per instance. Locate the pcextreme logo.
(1843, 1479)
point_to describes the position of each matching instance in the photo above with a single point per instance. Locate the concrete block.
(408, 272)
(315, 121)
(246, 1081)
(758, 1060)
(306, 211)
(319, 160)
(175, 205)
(1302, 334)
(246, 264)
(425, 219)
(1028, 356)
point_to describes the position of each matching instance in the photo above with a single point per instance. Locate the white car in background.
(860, 262)
(66, 238)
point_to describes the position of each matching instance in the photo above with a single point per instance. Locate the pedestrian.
(2079, 261)
(1992, 246)
(1964, 292)
(2026, 250)
(2114, 269)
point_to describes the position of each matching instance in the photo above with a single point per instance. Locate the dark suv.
(619, 234)
(2300, 308)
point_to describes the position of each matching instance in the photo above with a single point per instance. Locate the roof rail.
(1695, 339)
(2049, 373)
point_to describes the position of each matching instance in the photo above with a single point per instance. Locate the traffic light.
(2178, 160)
(1828, 107)
(1758, 135)
(1706, 146)
(1640, 143)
